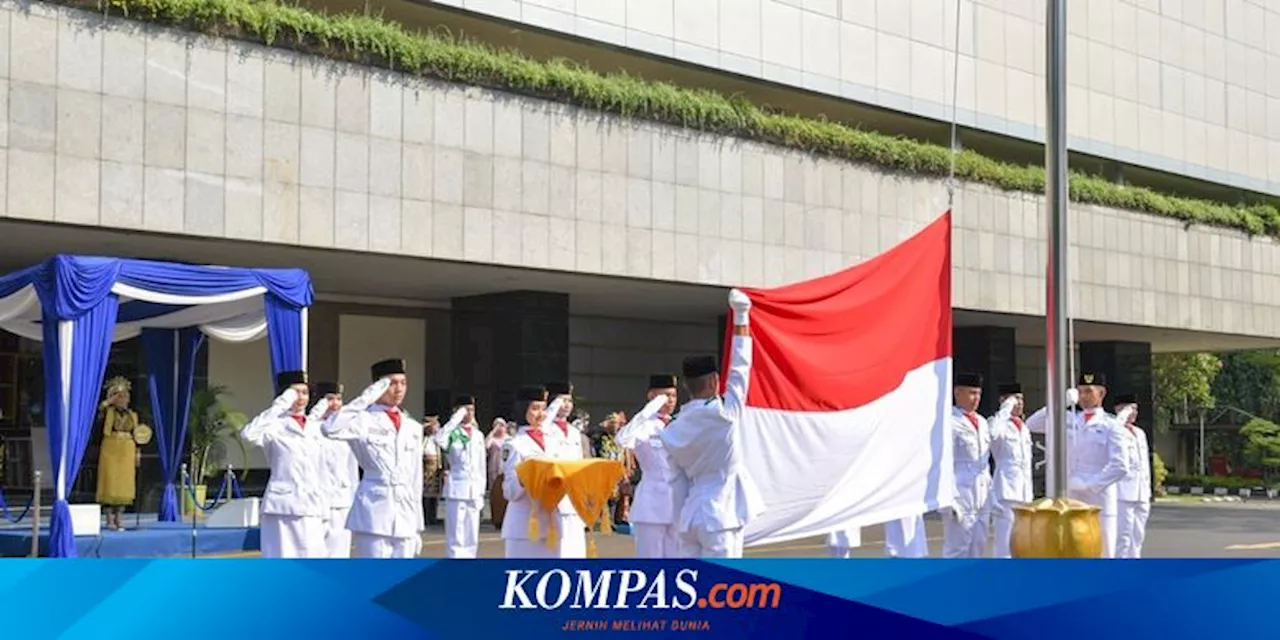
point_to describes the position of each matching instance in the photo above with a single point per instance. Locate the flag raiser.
(849, 394)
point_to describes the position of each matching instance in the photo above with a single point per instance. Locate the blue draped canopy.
(78, 305)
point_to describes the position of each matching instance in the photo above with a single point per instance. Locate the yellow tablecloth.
(588, 483)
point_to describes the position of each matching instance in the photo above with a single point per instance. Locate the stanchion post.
(187, 489)
(35, 514)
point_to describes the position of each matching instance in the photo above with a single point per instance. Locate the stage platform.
(147, 538)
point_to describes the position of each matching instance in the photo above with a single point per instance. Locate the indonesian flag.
(846, 418)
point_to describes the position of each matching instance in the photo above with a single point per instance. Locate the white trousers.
(964, 537)
(711, 544)
(656, 540)
(840, 543)
(573, 536)
(462, 528)
(336, 536)
(1131, 528)
(906, 538)
(528, 549)
(292, 536)
(368, 545)
(1002, 522)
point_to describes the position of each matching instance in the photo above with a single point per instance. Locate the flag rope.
(955, 90)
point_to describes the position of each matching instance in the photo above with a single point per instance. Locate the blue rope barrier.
(8, 515)
(222, 491)
(235, 487)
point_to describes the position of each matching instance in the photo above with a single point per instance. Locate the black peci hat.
(322, 389)
(1125, 398)
(698, 366)
(463, 400)
(386, 368)
(662, 381)
(968, 379)
(532, 393)
(559, 388)
(1090, 379)
(287, 379)
(1008, 388)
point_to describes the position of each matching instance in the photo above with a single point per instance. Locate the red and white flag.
(845, 422)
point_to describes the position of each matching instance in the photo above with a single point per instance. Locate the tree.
(1250, 381)
(1183, 382)
(1262, 445)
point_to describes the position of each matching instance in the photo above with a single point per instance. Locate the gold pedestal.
(1056, 528)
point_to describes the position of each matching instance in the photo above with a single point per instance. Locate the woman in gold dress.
(118, 458)
(432, 473)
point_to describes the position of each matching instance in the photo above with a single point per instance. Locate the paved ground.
(1176, 530)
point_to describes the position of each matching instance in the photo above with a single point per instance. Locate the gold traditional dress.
(117, 474)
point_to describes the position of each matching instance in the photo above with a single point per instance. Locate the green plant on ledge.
(376, 42)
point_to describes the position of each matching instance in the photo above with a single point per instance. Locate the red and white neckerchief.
(536, 434)
(1017, 422)
(563, 424)
(301, 420)
(973, 419)
(394, 414)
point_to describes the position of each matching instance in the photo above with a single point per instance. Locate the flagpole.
(1056, 347)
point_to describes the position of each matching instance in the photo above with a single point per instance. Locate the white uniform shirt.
(466, 478)
(388, 501)
(515, 523)
(661, 492)
(340, 470)
(1136, 484)
(1099, 458)
(1011, 449)
(971, 443)
(703, 442)
(296, 457)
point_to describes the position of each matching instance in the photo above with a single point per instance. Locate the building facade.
(493, 238)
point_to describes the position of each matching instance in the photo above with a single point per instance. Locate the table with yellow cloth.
(589, 484)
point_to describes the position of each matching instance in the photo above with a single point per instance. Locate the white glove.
(286, 399)
(458, 415)
(1125, 413)
(741, 306)
(1008, 403)
(375, 390)
(318, 411)
(656, 404)
(1073, 396)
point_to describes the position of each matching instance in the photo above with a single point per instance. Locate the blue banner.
(774, 599)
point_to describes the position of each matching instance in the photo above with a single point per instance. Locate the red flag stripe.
(843, 340)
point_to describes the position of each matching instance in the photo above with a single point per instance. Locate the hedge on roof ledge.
(376, 42)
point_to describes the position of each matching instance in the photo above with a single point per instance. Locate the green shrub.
(1159, 472)
(1210, 483)
(376, 42)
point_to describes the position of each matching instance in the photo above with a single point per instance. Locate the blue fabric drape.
(171, 367)
(70, 426)
(69, 286)
(284, 335)
(79, 289)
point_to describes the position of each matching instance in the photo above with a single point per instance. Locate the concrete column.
(504, 340)
(991, 351)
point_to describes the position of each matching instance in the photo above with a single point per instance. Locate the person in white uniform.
(386, 515)
(341, 472)
(294, 507)
(528, 443)
(1134, 492)
(655, 510)
(1097, 452)
(906, 538)
(840, 544)
(964, 524)
(1011, 449)
(704, 443)
(462, 446)
(564, 442)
